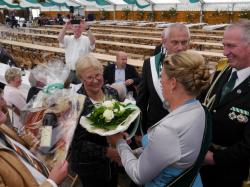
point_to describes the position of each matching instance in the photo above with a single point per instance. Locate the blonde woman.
(91, 157)
(173, 144)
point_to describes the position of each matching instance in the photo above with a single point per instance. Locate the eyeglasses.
(92, 78)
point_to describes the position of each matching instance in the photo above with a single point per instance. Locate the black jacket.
(158, 49)
(130, 73)
(148, 100)
(88, 151)
(232, 163)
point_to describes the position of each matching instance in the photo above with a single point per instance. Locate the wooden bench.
(54, 50)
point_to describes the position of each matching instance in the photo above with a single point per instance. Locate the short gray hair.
(244, 25)
(180, 26)
(11, 74)
(87, 61)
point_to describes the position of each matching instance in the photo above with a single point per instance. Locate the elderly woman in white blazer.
(173, 144)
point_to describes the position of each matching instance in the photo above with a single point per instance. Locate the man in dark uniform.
(227, 162)
(150, 99)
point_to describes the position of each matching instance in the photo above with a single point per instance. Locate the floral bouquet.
(110, 117)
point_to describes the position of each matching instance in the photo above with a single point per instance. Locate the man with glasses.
(150, 99)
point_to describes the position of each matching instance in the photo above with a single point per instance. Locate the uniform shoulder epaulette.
(222, 63)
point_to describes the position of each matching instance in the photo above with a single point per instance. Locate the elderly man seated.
(122, 73)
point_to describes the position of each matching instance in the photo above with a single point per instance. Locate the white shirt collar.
(242, 75)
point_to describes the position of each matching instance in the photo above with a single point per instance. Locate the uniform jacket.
(158, 49)
(232, 162)
(130, 73)
(148, 100)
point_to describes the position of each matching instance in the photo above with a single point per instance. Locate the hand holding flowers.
(113, 139)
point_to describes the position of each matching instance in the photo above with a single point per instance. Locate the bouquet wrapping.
(51, 117)
(111, 117)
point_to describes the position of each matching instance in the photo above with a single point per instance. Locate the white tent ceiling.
(158, 5)
(226, 1)
(165, 1)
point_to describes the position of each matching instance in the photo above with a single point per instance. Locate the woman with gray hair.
(14, 96)
(91, 157)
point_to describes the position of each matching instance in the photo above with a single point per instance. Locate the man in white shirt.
(76, 45)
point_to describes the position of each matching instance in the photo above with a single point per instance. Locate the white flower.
(122, 109)
(115, 110)
(108, 115)
(108, 104)
(128, 101)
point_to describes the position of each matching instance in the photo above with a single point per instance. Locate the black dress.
(88, 152)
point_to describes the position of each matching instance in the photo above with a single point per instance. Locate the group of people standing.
(175, 128)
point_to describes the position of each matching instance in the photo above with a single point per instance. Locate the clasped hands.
(112, 152)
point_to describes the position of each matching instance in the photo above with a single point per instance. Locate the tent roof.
(138, 4)
(226, 1)
(165, 1)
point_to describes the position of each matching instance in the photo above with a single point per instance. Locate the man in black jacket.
(227, 162)
(123, 73)
(150, 99)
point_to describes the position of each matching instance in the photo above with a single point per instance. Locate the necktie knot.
(229, 85)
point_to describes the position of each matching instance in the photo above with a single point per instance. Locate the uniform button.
(214, 111)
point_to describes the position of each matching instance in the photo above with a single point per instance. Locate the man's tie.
(228, 87)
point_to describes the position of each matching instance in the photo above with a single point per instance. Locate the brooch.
(232, 115)
(242, 119)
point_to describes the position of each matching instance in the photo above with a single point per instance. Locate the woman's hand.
(113, 155)
(114, 138)
(3, 117)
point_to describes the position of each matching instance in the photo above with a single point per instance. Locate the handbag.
(247, 182)
(187, 177)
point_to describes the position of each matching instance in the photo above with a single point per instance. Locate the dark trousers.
(213, 176)
(98, 174)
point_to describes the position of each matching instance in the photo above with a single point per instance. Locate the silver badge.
(242, 119)
(246, 119)
(232, 115)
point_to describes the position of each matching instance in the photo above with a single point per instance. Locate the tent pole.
(114, 12)
(202, 11)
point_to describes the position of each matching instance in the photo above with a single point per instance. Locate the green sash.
(156, 66)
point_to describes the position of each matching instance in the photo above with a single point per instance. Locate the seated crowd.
(194, 128)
